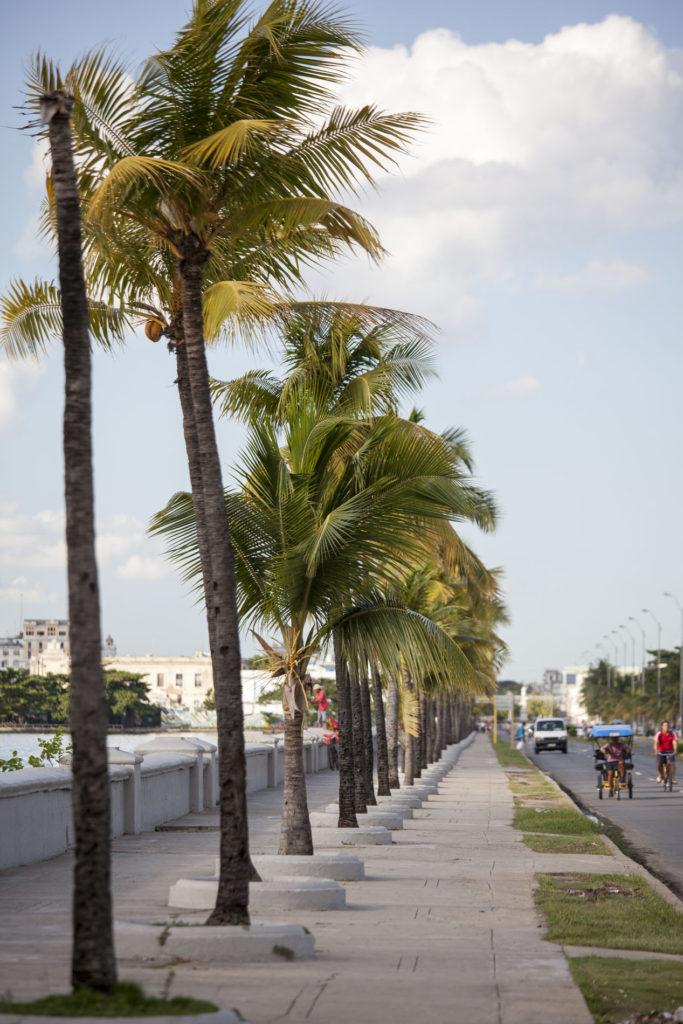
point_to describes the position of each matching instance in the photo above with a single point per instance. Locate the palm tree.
(329, 502)
(93, 963)
(212, 153)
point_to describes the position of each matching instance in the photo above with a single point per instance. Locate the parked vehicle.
(550, 734)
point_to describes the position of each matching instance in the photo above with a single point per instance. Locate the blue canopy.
(616, 729)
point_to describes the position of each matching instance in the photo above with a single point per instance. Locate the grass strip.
(566, 844)
(616, 989)
(559, 820)
(533, 787)
(509, 757)
(124, 999)
(617, 911)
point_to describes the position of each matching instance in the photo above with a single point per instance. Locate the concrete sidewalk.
(442, 930)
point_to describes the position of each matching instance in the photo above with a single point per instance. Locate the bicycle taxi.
(610, 779)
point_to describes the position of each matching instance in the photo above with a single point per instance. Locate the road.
(652, 823)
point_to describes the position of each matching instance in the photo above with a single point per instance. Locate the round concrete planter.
(221, 944)
(406, 799)
(402, 810)
(342, 867)
(218, 1017)
(351, 836)
(423, 790)
(325, 819)
(284, 893)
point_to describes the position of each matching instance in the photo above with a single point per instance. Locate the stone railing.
(162, 779)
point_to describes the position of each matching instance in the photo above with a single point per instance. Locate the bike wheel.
(630, 789)
(600, 788)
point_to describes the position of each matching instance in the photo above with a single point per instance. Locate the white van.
(550, 734)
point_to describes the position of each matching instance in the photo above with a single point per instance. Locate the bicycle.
(667, 766)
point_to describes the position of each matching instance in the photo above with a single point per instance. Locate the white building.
(12, 652)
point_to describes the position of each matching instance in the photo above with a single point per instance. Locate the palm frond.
(31, 317)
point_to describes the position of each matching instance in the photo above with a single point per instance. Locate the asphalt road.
(652, 822)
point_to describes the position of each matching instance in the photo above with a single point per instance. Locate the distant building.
(39, 634)
(12, 652)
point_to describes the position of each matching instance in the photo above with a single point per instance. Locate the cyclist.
(665, 751)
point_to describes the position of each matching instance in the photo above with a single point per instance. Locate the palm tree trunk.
(424, 734)
(408, 760)
(195, 469)
(392, 734)
(440, 738)
(295, 832)
(359, 798)
(347, 813)
(232, 901)
(93, 964)
(383, 788)
(368, 753)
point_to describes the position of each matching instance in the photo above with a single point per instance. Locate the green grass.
(509, 757)
(581, 910)
(615, 989)
(559, 820)
(566, 844)
(533, 787)
(125, 999)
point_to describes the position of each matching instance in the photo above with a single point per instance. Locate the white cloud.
(601, 274)
(8, 404)
(139, 567)
(534, 148)
(29, 246)
(520, 387)
(36, 172)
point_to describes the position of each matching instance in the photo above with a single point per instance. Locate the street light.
(659, 657)
(680, 663)
(633, 657)
(605, 656)
(609, 640)
(616, 645)
(642, 662)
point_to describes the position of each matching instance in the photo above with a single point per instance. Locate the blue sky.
(538, 224)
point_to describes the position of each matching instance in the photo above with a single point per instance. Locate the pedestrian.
(320, 698)
(520, 736)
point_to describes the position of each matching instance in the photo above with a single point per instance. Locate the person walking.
(320, 698)
(520, 736)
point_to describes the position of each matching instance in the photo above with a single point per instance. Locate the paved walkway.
(442, 931)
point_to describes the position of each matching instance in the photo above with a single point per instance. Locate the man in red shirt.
(665, 751)
(320, 697)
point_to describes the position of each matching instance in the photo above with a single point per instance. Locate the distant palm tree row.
(208, 183)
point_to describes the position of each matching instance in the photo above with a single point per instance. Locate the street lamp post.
(633, 657)
(642, 662)
(680, 663)
(619, 639)
(604, 655)
(609, 655)
(616, 655)
(659, 658)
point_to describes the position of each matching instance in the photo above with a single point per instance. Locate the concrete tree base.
(218, 1017)
(342, 867)
(402, 810)
(351, 836)
(285, 893)
(166, 941)
(422, 790)
(324, 819)
(406, 799)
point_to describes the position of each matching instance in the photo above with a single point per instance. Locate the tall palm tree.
(329, 502)
(93, 964)
(214, 155)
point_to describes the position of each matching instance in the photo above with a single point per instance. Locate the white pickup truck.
(550, 734)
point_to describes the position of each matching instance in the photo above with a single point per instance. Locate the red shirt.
(665, 742)
(320, 697)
